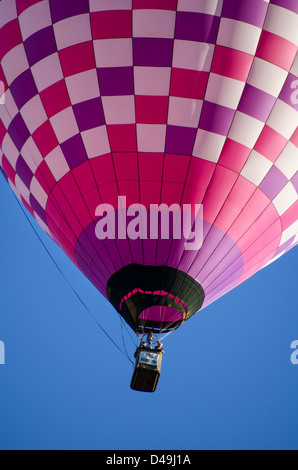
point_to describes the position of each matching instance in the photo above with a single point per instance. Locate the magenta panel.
(161, 314)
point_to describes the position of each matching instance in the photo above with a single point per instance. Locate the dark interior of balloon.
(154, 298)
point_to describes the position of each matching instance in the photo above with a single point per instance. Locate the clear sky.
(227, 380)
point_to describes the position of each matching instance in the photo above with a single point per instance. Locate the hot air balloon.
(113, 111)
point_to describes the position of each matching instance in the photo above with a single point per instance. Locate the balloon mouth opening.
(154, 298)
(159, 311)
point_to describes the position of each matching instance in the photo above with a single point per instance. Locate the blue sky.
(227, 380)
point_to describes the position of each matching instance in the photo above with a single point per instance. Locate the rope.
(69, 284)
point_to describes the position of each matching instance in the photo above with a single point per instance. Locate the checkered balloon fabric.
(163, 102)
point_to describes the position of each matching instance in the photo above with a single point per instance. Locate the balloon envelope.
(110, 106)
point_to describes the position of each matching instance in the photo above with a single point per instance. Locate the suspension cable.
(69, 284)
